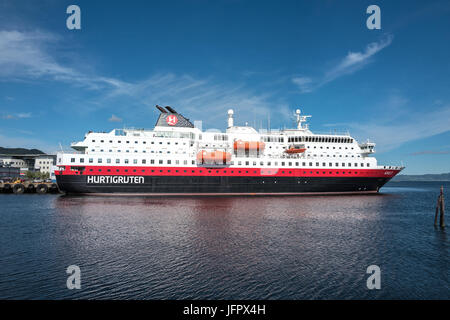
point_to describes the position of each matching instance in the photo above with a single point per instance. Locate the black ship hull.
(226, 185)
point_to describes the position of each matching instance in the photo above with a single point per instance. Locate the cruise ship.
(178, 158)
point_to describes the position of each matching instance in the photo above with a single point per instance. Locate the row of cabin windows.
(320, 139)
(346, 148)
(220, 137)
(217, 171)
(272, 139)
(136, 142)
(335, 156)
(136, 151)
(135, 161)
(315, 147)
(171, 134)
(303, 164)
(166, 134)
(239, 163)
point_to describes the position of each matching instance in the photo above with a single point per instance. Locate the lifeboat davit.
(240, 145)
(218, 157)
(296, 149)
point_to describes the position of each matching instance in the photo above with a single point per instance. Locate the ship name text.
(115, 179)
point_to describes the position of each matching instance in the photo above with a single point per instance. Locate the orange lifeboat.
(249, 145)
(218, 157)
(296, 149)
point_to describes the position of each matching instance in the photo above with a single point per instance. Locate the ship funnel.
(161, 109)
(171, 110)
(230, 118)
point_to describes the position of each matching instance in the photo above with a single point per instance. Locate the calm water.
(225, 248)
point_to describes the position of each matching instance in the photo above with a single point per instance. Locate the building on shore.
(45, 163)
(9, 172)
(13, 162)
(28, 162)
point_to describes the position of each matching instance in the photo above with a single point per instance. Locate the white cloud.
(304, 84)
(200, 99)
(26, 55)
(356, 60)
(413, 126)
(352, 62)
(115, 119)
(29, 143)
(23, 53)
(430, 152)
(21, 115)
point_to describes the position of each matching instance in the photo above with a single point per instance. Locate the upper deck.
(175, 139)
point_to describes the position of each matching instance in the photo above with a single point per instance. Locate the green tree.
(29, 174)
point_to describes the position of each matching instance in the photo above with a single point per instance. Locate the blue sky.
(204, 57)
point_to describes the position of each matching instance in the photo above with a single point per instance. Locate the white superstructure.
(171, 145)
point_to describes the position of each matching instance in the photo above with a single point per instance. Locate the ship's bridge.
(242, 130)
(367, 147)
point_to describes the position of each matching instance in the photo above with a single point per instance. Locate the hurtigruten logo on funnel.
(171, 120)
(114, 179)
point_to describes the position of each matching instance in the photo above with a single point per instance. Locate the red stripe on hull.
(230, 172)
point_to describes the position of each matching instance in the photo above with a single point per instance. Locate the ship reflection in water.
(225, 247)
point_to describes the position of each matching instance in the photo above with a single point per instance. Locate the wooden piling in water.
(436, 216)
(440, 206)
(442, 220)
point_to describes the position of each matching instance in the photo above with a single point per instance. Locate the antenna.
(62, 151)
(230, 118)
